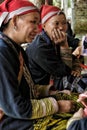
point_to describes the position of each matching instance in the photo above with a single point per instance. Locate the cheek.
(49, 32)
(65, 28)
(49, 29)
(30, 29)
(27, 31)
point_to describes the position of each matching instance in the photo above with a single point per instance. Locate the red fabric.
(46, 9)
(40, 27)
(83, 66)
(8, 6)
(11, 5)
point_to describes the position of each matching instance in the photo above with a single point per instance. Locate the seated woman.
(20, 104)
(50, 54)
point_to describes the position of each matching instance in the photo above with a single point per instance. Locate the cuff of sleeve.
(66, 50)
(55, 104)
(44, 107)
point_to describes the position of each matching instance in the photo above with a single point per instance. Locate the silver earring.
(15, 27)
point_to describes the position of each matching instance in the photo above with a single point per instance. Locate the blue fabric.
(45, 60)
(45, 36)
(78, 125)
(14, 98)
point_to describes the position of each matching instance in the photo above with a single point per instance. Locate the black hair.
(3, 26)
(61, 12)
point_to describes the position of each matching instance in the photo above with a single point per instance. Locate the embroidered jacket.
(19, 108)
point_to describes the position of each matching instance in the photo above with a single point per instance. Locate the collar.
(46, 37)
(10, 42)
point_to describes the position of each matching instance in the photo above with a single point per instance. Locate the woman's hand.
(59, 37)
(1, 114)
(83, 98)
(77, 51)
(66, 106)
(76, 73)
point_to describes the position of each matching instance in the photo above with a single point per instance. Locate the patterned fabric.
(29, 81)
(43, 107)
(57, 121)
(21, 124)
(75, 84)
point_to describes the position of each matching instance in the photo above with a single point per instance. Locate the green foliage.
(57, 3)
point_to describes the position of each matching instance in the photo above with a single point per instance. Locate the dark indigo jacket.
(45, 60)
(14, 98)
(78, 124)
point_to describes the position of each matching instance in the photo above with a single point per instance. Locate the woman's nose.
(60, 27)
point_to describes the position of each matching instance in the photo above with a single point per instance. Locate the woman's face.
(27, 27)
(58, 22)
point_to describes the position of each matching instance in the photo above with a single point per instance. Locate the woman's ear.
(43, 26)
(14, 22)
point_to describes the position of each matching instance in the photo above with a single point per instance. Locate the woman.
(50, 54)
(19, 107)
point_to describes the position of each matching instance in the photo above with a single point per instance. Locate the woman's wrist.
(64, 46)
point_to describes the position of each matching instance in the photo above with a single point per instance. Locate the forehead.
(57, 17)
(34, 15)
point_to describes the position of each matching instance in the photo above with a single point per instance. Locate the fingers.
(58, 36)
(83, 99)
(76, 73)
(77, 52)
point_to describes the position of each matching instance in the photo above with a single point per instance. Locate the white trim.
(7, 15)
(19, 11)
(2, 17)
(48, 16)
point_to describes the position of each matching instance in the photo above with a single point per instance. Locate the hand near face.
(59, 37)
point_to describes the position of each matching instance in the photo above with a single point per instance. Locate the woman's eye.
(57, 23)
(64, 23)
(34, 22)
